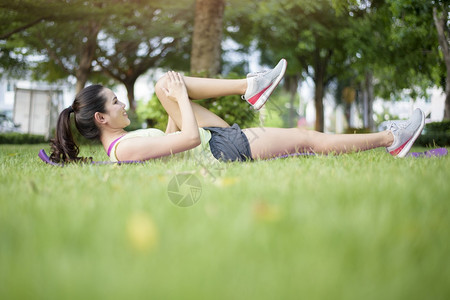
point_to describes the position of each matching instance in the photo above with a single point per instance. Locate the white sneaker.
(405, 133)
(261, 84)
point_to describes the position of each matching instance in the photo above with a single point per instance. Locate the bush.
(435, 134)
(233, 110)
(443, 126)
(152, 113)
(135, 122)
(21, 138)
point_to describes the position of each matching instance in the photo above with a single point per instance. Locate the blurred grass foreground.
(358, 226)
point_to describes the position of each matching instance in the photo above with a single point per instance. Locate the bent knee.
(160, 84)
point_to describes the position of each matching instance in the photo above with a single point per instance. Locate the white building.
(33, 105)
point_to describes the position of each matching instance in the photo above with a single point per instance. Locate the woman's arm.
(154, 147)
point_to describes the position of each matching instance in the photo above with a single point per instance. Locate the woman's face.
(115, 110)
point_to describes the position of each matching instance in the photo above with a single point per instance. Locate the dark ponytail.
(89, 101)
(64, 148)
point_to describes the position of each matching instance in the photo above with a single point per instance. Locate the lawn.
(357, 226)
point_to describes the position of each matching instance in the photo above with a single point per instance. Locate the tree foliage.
(396, 42)
(309, 35)
(146, 37)
(350, 41)
(122, 39)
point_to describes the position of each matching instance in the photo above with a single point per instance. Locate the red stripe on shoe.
(399, 149)
(255, 98)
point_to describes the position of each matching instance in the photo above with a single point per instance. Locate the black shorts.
(229, 143)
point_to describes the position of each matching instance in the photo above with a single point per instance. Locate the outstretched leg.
(272, 142)
(398, 139)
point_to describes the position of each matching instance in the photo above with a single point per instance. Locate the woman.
(192, 129)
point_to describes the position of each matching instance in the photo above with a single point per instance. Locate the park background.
(357, 62)
(355, 226)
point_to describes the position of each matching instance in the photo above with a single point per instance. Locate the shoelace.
(397, 125)
(257, 73)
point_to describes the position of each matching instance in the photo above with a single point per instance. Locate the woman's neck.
(108, 136)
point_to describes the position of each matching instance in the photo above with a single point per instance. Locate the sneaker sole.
(409, 144)
(265, 96)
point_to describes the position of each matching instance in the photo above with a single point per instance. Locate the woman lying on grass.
(192, 128)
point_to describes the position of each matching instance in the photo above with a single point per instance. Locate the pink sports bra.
(113, 143)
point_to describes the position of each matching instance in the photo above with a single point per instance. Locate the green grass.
(359, 226)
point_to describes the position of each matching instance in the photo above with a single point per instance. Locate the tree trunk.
(129, 85)
(320, 72)
(319, 91)
(368, 101)
(207, 37)
(369, 86)
(348, 97)
(447, 99)
(440, 22)
(81, 81)
(87, 55)
(291, 86)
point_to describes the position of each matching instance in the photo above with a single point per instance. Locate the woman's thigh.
(266, 142)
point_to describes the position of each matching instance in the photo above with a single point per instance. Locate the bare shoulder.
(132, 148)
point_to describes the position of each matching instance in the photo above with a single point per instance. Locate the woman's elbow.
(195, 141)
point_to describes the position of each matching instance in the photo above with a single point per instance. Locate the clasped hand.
(175, 89)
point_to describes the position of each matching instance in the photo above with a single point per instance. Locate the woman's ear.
(99, 118)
